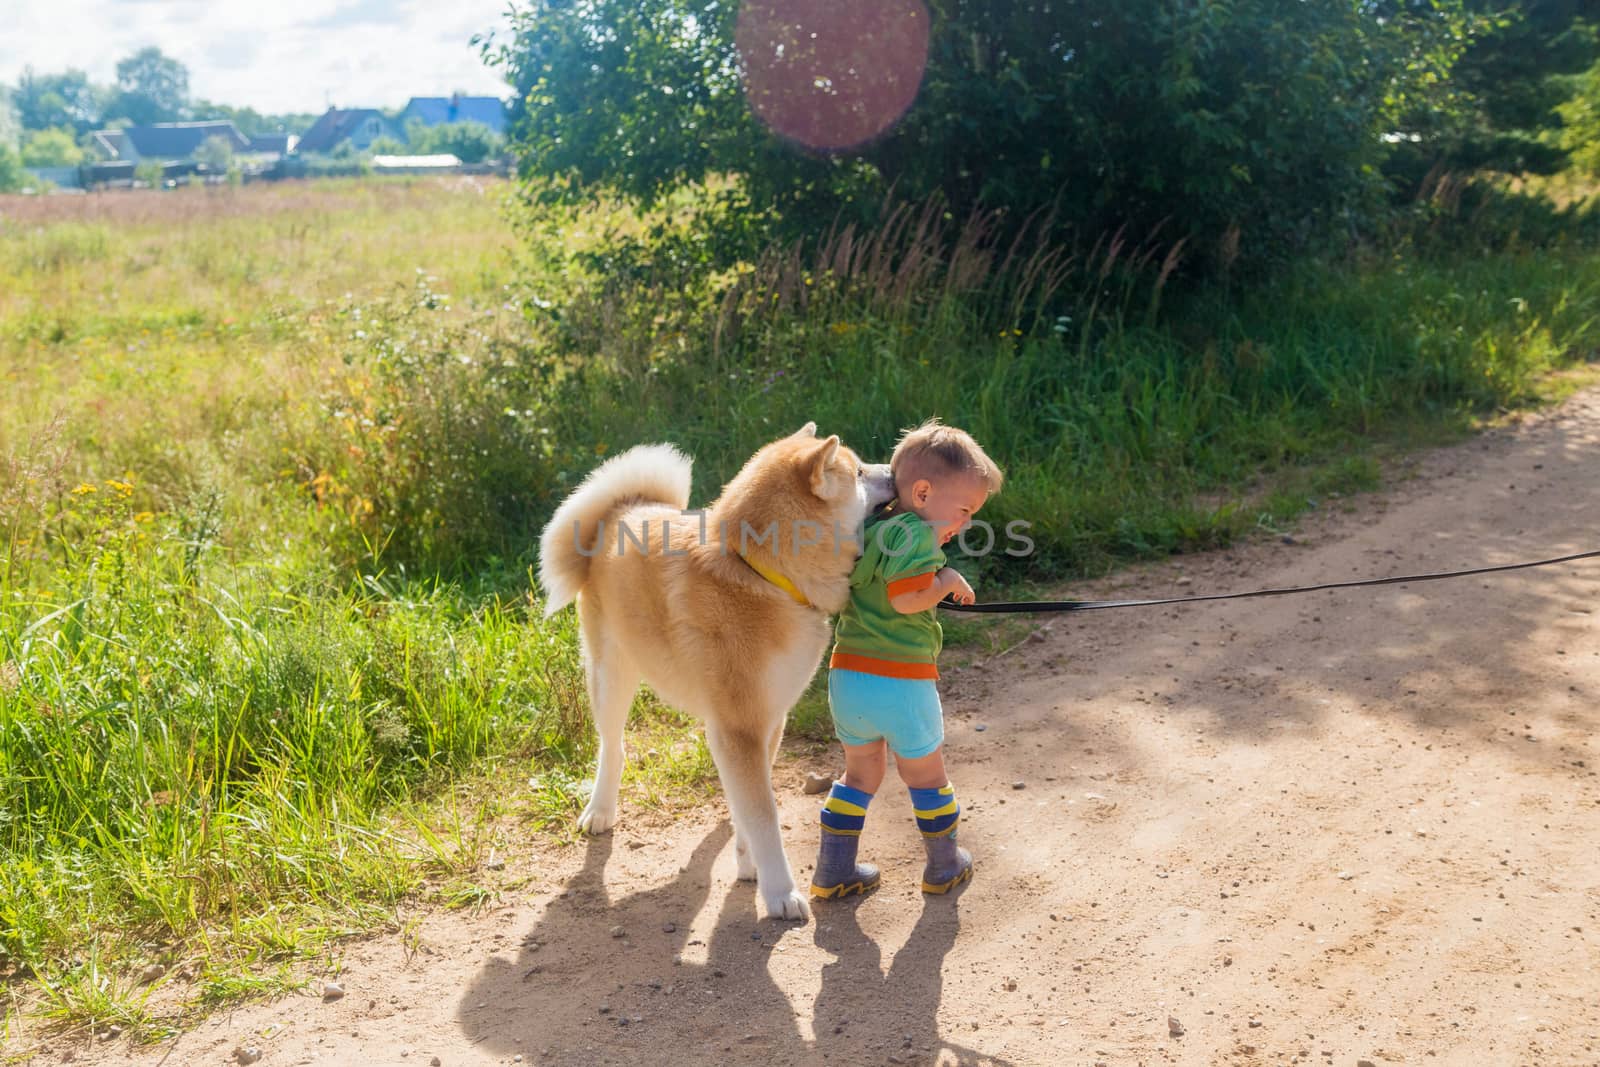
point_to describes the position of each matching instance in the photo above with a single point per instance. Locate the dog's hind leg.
(611, 688)
(743, 762)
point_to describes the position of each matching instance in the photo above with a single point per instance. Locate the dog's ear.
(808, 430)
(820, 462)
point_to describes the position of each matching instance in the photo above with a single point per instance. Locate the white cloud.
(272, 55)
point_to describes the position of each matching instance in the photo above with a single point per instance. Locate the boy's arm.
(917, 596)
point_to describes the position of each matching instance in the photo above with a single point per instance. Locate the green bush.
(51, 148)
(470, 142)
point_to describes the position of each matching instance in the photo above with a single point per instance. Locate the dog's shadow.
(631, 980)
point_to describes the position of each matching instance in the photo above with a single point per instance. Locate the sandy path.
(1359, 825)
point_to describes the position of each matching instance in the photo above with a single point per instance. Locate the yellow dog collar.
(778, 580)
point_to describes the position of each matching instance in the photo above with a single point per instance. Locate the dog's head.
(797, 507)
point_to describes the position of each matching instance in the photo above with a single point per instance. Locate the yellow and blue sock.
(936, 810)
(938, 815)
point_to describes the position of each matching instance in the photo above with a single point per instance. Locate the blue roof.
(180, 140)
(437, 110)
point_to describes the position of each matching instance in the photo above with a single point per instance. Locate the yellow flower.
(84, 490)
(600, 449)
(145, 516)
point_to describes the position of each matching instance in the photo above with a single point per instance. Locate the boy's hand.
(955, 587)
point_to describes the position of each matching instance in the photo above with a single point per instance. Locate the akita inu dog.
(724, 612)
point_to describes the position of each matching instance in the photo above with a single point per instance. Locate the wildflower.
(145, 516)
(10, 677)
(85, 489)
(600, 449)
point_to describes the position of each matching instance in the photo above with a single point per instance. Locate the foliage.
(388, 146)
(1514, 77)
(249, 121)
(46, 101)
(1249, 126)
(10, 122)
(51, 148)
(216, 152)
(151, 172)
(1580, 117)
(470, 142)
(151, 87)
(12, 176)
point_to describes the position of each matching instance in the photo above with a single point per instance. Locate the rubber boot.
(838, 874)
(948, 864)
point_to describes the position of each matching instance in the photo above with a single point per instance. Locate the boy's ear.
(822, 461)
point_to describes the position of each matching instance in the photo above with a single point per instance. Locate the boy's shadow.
(863, 1015)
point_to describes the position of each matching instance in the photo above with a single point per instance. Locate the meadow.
(273, 461)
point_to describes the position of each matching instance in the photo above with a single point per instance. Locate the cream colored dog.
(723, 612)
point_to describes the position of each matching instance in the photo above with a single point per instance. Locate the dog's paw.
(790, 905)
(596, 819)
(745, 862)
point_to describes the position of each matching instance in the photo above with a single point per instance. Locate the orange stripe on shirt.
(887, 668)
(914, 584)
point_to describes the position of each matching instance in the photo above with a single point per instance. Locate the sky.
(276, 56)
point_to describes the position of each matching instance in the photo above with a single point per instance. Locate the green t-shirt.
(901, 555)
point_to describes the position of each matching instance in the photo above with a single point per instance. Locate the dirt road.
(1353, 826)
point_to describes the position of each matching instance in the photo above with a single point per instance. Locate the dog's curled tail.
(656, 474)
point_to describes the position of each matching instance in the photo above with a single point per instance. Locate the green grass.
(273, 462)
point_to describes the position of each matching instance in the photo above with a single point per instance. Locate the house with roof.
(167, 141)
(357, 126)
(439, 110)
(273, 144)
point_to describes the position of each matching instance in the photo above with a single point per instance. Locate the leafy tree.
(470, 142)
(1254, 117)
(51, 148)
(151, 87)
(46, 101)
(10, 123)
(251, 122)
(12, 176)
(1515, 74)
(1580, 116)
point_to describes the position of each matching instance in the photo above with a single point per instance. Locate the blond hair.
(934, 450)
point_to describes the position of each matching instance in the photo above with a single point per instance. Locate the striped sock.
(846, 810)
(936, 810)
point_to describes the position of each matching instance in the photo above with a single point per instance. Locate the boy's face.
(947, 504)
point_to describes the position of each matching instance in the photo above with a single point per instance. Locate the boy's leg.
(938, 815)
(843, 816)
(865, 765)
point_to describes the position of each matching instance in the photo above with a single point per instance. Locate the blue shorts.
(902, 711)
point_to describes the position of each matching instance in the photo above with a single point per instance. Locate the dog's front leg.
(741, 756)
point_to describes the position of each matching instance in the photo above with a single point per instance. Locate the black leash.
(1096, 605)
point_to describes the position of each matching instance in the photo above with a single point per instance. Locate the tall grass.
(273, 462)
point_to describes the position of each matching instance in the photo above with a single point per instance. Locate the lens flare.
(831, 74)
